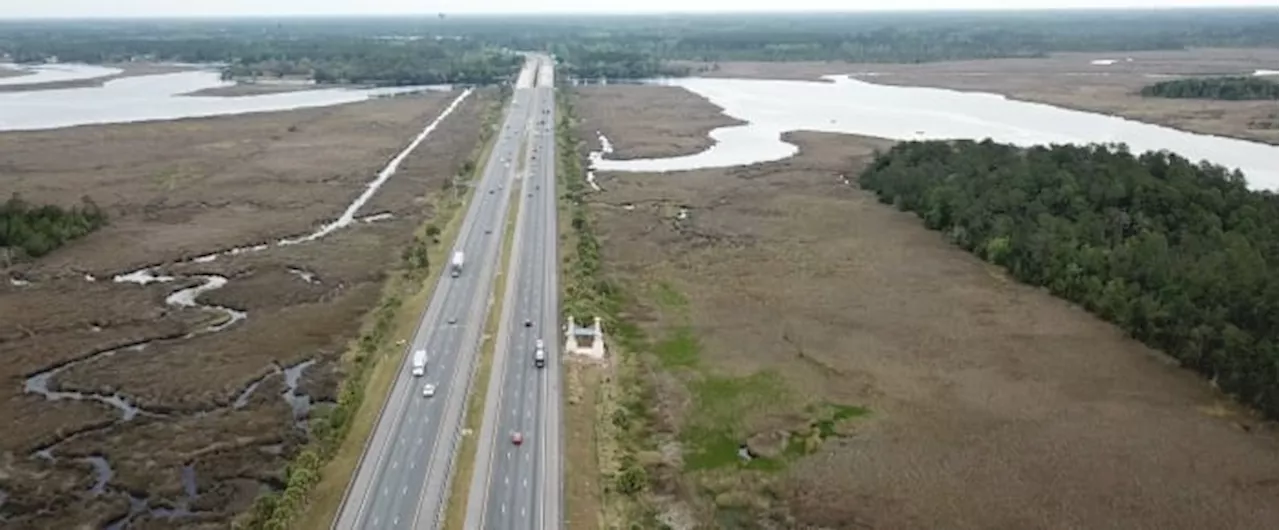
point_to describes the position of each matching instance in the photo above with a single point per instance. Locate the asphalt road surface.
(402, 481)
(519, 486)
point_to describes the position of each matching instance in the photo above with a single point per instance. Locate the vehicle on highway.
(539, 354)
(419, 363)
(517, 438)
(453, 320)
(428, 390)
(528, 323)
(455, 264)
(488, 231)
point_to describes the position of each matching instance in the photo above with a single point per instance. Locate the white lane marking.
(396, 521)
(524, 483)
(395, 465)
(384, 490)
(401, 439)
(375, 521)
(508, 455)
(504, 508)
(413, 464)
(526, 457)
(419, 442)
(404, 491)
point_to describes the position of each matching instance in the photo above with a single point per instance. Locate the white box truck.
(419, 363)
(455, 264)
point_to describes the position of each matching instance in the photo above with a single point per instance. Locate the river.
(911, 113)
(157, 97)
(49, 73)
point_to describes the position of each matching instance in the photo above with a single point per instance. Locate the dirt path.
(992, 405)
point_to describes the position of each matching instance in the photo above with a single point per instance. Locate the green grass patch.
(679, 349)
(668, 297)
(715, 430)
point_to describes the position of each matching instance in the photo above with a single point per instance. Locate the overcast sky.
(134, 8)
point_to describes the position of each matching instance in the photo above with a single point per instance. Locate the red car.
(517, 438)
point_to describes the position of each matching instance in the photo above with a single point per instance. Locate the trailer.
(455, 264)
(419, 363)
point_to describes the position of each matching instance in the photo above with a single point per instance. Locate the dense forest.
(28, 231)
(398, 50)
(1181, 255)
(374, 61)
(1232, 88)
(655, 46)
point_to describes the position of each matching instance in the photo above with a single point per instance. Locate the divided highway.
(402, 481)
(518, 485)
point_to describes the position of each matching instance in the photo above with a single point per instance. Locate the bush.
(31, 231)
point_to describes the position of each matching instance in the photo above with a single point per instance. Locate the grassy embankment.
(631, 448)
(464, 461)
(318, 475)
(620, 420)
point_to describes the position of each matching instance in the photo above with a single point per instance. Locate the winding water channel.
(43, 383)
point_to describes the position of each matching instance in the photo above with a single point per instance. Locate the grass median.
(456, 512)
(372, 363)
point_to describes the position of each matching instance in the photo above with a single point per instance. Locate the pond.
(851, 106)
(161, 97)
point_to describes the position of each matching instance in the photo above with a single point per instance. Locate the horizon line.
(481, 14)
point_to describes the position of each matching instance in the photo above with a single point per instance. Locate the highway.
(402, 481)
(519, 486)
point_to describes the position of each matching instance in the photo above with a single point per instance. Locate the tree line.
(28, 231)
(654, 46)
(431, 49)
(373, 61)
(1230, 88)
(358, 55)
(1180, 255)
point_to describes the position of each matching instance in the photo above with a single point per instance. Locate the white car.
(429, 390)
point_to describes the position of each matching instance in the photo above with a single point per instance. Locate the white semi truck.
(455, 264)
(419, 363)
